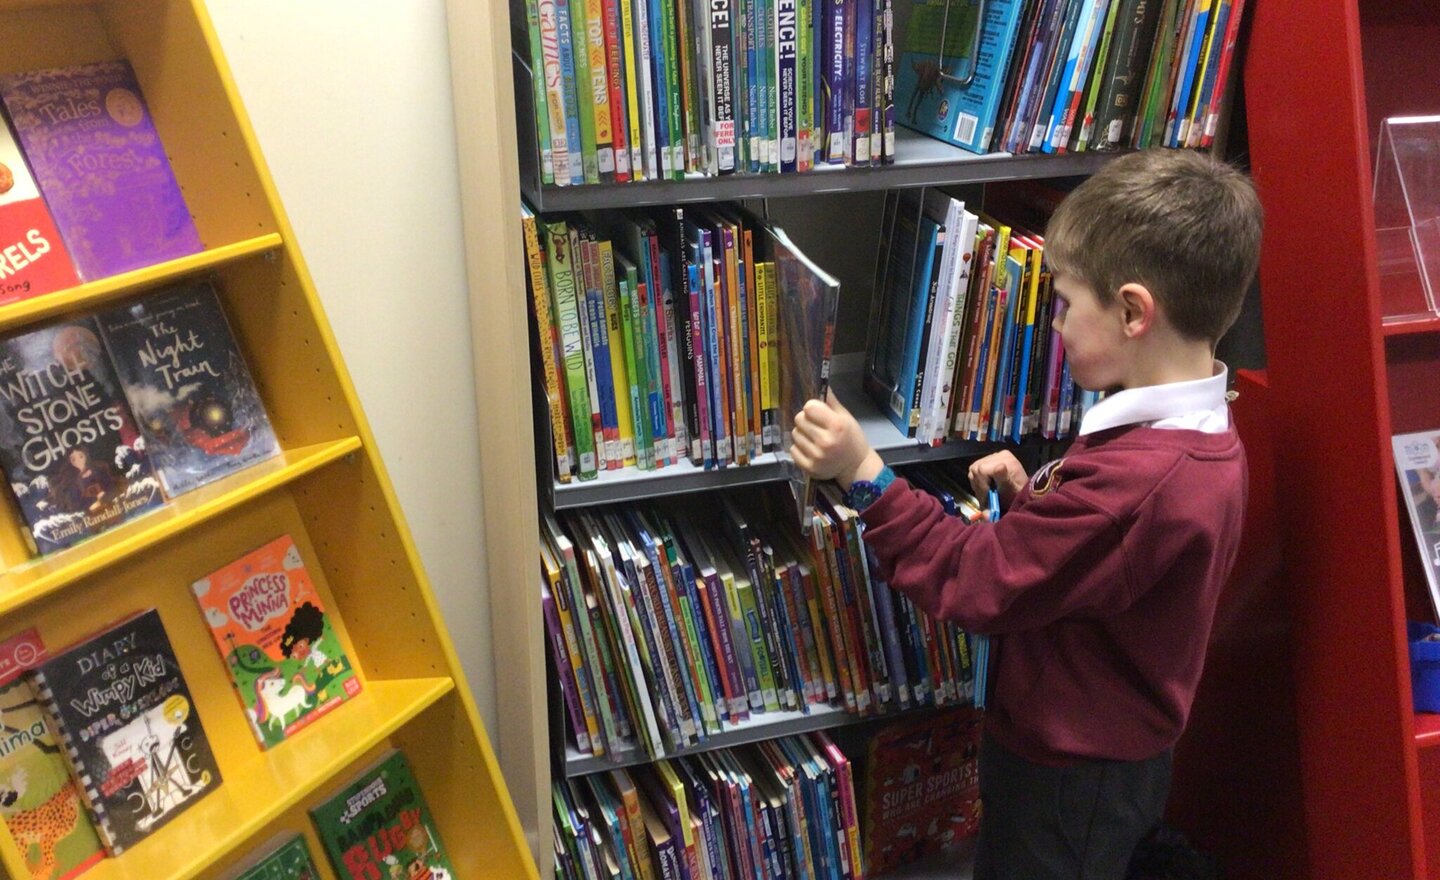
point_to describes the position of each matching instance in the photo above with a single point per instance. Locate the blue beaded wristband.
(863, 493)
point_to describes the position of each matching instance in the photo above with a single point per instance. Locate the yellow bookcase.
(329, 490)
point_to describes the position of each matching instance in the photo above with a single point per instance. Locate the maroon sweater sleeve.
(1052, 556)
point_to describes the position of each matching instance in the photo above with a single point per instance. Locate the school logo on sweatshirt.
(1047, 479)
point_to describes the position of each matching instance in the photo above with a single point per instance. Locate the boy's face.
(1092, 334)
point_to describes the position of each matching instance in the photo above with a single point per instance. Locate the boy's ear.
(1138, 309)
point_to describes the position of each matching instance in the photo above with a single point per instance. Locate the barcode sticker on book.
(965, 125)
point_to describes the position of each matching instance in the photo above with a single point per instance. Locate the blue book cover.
(1004, 376)
(1052, 119)
(75, 461)
(949, 87)
(188, 386)
(900, 411)
(567, 88)
(1181, 98)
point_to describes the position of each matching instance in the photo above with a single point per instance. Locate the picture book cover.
(187, 385)
(33, 257)
(39, 801)
(290, 860)
(1417, 463)
(379, 826)
(922, 788)
(278, 644)
(97, 157)
(952, 69)
(129, 726)
(72, 455)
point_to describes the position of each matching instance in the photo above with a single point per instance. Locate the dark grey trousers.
(1065, 823)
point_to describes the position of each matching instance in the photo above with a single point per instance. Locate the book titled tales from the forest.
(39, 801)
(67, 439)
(101, 167)
(130, 729)
(379, 826)
(278, 644)
(187, 385)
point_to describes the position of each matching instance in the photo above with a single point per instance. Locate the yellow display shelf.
(328, 490)
(260, 789)
(90, 296)
(35, 580)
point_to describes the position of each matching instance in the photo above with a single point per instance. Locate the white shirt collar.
(1196, 404)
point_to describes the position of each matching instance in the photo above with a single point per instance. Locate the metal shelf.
(921, 161)
(630, 484)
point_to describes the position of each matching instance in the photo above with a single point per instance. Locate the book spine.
(649, 331)
(715, 321)
(630, 84)
(764, 313)
(836, 145)
(688, 72)
(584, 88)
(545, 333)
(1049, 84)
(722, 71)
(562, 280)
(569, 688)
(716, 647)
(620, 377)
(585, 302)
(662, 308)
(703, 442)
(597, 63)
(828, 582)
(600, 343)
(565, 52)
(864, 15)
(1222, 78)
(661, 634)
(787, 42)
(540, 101)
(1195, 46)
(1194, 128)
(672, 634)
(682, 401)
(615, 83)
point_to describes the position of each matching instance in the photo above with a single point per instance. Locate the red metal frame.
(1320, 75)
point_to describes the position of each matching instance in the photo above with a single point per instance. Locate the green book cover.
(290, 861)
(38, 800)
(380, 826)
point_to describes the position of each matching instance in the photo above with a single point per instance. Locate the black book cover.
(129, 727)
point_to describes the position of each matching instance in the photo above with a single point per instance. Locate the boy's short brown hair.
(1179, 222)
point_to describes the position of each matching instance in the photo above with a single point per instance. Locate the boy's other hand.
(828, 444)
(1004, 469)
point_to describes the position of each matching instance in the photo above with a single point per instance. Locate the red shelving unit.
(1320, 77)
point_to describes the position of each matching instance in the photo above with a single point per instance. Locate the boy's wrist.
(868, 469)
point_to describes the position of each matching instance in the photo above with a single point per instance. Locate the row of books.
(631, 90)
(666, 628)
(377, 826)
(778, 809)
(106, 729)
(104, 416)
(1056, 75)
(86, 189)
(962, 344)
(682, 333)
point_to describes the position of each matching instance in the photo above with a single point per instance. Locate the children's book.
(379, 826)
(289, 860)
(74, 460)
(188, 386)
(129, 726)
(953, 67)
(278, 644)
(33, 257)
(100, 165)
(39, 802)
(1417, 462)
(922, 788)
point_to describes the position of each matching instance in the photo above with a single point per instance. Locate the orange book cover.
(278, 643)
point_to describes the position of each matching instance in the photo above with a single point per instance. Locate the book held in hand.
(70, 449)
(188, 386)
(380, 826)
(33, 258)
(278, 644)
(39, 801)
(101, 167)
(129, 726)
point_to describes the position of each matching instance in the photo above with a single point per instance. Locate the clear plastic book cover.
(1407, 216)
(807, 305)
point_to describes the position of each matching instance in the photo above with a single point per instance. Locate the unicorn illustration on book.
(277, 698)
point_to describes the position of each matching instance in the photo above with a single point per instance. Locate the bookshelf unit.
(499, 162)
(1342, 384)
(328, 489)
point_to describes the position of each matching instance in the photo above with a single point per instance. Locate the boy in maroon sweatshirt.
(1099, 585)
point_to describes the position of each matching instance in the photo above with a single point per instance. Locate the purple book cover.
(564, 673)
(101, 167)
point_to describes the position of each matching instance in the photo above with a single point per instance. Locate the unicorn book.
(278, 644)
